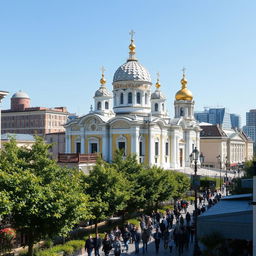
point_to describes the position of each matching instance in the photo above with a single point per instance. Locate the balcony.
(77, 158)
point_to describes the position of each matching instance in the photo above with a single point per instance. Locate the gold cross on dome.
(158, 76)
(184, 71)
(103, 70)
(132, 34)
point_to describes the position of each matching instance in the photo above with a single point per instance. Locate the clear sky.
(53, 49)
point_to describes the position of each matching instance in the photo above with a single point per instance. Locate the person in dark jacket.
(126, 238)
(145, 238)
(97, 242)
(137, 238)
(89, 245)
(157, 236)
(107, 245)
(188, 218)
(117, 246)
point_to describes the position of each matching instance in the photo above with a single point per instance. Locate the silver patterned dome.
(103, 92)
(157, 95)
(132, 70)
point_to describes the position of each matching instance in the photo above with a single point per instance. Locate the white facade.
(138, 123)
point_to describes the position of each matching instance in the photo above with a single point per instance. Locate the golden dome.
(184, 93)
(132, 46)
(102, 80)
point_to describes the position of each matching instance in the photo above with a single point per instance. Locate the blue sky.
(53, 49)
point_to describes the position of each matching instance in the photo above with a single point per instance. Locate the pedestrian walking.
(117, 246)
(89, 245)
(137, 239)
(171, 245)
(157, 236)
(107, 245)
(158, 217)
(145, 239)
(170, 218)
(181, 220)
(117, 232)
(188, 218)
(97, 242)
(126, 238)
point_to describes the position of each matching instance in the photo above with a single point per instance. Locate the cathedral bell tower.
(103, 98)
(158, 101)
(184, 103)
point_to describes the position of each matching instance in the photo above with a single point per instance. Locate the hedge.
(67, 249)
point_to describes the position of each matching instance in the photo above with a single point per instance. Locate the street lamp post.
(219, 158)
(226, 183)
(194, 158)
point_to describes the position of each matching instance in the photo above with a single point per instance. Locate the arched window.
(99, 106)
(106, 105)
(146, 98)
(181, 112)
(129, 98)
(156, 107)
(138, 97)
(162, 106)
(121, 98)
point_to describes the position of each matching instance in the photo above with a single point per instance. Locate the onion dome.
(103, 91)
(157, 94)
(20, 95)
(184, 93)
(132, 70)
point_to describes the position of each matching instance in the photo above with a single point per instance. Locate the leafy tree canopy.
(182, 184)
(108, 190)
(42, 198)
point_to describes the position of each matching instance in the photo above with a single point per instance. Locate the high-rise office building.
(250, 127)
(235, 121)
(219, 116)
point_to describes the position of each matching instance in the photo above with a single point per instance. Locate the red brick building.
(22, 118)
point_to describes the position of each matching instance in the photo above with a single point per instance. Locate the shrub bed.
(66, 249)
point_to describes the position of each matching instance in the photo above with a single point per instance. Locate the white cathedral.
(134, 119)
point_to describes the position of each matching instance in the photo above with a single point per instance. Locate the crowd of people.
(174, 229)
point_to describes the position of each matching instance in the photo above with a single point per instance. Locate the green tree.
(128, 165)
(182, 184)
(46, 199)
(108, 190)
(249, 168)
(149, 186)
(153, 186)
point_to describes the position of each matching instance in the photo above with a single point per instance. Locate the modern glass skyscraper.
(219, 116)
(250, 128)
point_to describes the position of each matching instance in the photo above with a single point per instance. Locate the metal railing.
(77, 158)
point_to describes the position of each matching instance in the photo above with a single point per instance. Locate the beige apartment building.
(23, 119)
(224, 148)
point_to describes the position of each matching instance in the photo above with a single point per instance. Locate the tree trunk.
(123, 217)
(96, 226)
(30, 245)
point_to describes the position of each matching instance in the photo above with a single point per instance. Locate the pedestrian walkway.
(162, 251)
